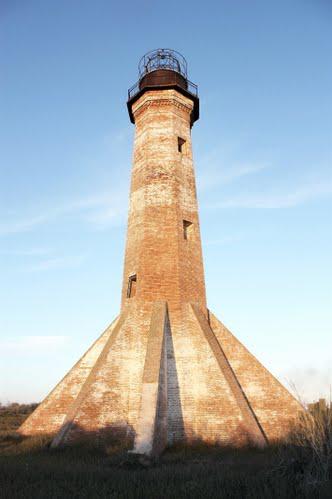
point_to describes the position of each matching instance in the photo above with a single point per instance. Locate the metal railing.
(191, 88)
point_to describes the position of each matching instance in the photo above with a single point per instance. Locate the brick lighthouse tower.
(166, 370)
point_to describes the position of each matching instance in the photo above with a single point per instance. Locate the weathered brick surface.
(111, 404)
(251, 424)
(209, 386)
(163, 195)
(151, 432)
(273, 405)
(209, 410)
(69, 421)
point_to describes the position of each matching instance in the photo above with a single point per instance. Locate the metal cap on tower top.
(163, 69)
(162, 59)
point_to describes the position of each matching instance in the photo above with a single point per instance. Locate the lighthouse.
(166, 370)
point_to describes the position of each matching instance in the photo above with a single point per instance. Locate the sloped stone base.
(156, 377)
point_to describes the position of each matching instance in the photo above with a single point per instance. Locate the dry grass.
(300, 468)
(312, 440)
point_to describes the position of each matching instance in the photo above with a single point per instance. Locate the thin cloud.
(116, 137)
(220, 167)
(212, 176)
(240, 170)
(276, 201)
(105, 210)
(29, 252)
(41, 259)
(28, 344)
(101, 209)
(309, 383)
(223, 240)
(24, 225)
(56, 263)
(106, 217)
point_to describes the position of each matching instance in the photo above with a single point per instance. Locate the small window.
(181, 143)
(187, 229)
(131, 291)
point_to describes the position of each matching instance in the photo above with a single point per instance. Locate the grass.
(300, 469)
(13, 415)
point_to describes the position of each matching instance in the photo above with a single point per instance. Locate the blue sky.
(263, 161)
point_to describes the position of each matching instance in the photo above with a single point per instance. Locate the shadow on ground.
(29, 468)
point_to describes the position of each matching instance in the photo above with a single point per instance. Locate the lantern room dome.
(162, 59)
(162, 69)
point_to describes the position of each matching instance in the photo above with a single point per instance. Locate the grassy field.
(29, 469)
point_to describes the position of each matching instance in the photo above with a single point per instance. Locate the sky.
(263, 160)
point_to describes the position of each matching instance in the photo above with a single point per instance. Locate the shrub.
(312, 439)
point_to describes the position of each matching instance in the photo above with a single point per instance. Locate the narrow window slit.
(187, 229)
(131, 291)
(181, 143)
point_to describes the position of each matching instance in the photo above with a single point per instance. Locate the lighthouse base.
(156, 377)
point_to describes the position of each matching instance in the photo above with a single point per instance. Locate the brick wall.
(163, 195)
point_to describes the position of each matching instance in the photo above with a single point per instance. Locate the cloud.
(297, 197)
(115, 138)
(32, 344)
(24, 225)
(223, 240)
(211, 175)
(105, 217)
(238, 171)
(56, 263)
(219, 166)
(105, 210)
(41, 259)
(26, 252)
(102, 209)
(309, 383)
